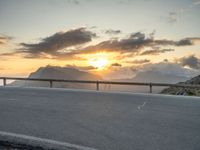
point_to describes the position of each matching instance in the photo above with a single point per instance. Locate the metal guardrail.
(98, 82)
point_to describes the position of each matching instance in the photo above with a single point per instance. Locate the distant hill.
(151, 76)
(69, 73)
(155, 76)
(54, 72)
(183, 91)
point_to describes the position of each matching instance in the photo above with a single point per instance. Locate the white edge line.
(35, 141)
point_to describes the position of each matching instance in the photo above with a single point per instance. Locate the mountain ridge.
(62, 73)
(185, 91)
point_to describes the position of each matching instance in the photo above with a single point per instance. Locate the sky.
(114, 38)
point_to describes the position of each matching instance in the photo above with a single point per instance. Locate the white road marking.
(12, 99)
(141, 106)
(44, 143)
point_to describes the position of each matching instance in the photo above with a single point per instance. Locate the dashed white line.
(12, 99)
(141, 106)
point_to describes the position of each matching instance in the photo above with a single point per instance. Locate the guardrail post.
(51, 83)
(150, 86)
(4, 81)
(97, 85)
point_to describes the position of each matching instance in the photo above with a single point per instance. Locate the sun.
(98, 63)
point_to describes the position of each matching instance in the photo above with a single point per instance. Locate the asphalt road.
(106, 121)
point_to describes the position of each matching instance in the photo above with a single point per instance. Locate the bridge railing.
(98, 82)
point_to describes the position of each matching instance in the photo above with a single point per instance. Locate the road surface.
(100, 120)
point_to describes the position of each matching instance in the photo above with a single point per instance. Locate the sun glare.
(98, 63)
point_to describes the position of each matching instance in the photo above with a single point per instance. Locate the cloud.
(141, 61)
(83, 68)
(122, 72)
(58, 41)
(74, 1)
(156, 51)
(170, 68)
(196, 2)
(188, 41)
(116, 65)
(184, 42)
(4, 39)
(194, 40)
(134, 43)
(190, 61)
(173, 17)
(163, 68)
(112, 32)
(72, 43)
(125, 2)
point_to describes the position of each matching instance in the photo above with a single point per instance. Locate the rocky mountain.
(154, 77)
(185, 91)
(55, 72)
(69, 73)
(158, 77)
(148, 76)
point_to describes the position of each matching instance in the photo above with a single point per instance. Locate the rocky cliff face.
(185, 91)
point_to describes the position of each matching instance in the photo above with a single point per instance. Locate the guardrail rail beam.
(102, 82)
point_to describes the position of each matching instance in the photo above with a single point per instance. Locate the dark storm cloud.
(190, 61)
(112, 32)
(59, 41)
(156, 51)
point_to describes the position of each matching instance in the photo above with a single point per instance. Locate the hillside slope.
(184, 91)
(54, 72)
(150, 76)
